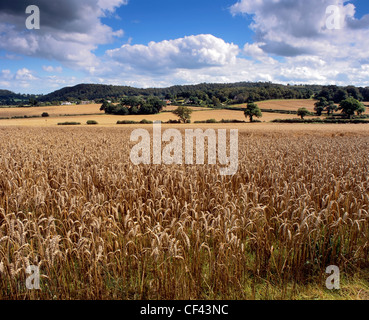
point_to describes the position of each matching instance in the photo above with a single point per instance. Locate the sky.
(159, 43)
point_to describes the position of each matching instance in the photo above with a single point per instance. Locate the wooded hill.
(10, 98)
(200, 94)
(239, 92)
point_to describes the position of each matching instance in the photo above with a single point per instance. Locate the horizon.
(143, 45)
(195, 84)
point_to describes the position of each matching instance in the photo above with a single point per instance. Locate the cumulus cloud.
(293, 28)
(52, 69)
(22, 78)
(292, 44)
(6, 74)
(24, 75)
(192, 52)
(299, 31)
(69, 32)
(30, 80)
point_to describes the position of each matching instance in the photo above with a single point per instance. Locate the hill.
(204, 94)
(239, 92)
(90, 92)
(10, 98)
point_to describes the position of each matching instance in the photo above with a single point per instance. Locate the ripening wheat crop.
(99, 227)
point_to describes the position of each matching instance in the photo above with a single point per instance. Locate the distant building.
(66, 103)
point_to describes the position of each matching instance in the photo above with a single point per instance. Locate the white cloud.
(254, 51)
(291, 45)
(5, 84)
(52, 69)
(69, 33)
(111, 5)
(5, 78)
(292, 28)
(297, 30)
(24, 75)
(192, 52)
(6, 74)
(28, 79)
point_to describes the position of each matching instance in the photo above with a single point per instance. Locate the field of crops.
(69, 110)
(52, 110)
(72, 203)
(82, 114)
(288, 105)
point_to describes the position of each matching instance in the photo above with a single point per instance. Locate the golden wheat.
(99, 227)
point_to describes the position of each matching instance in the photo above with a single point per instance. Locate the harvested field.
(172, 108)
(288, 105)
(111, 120)
(52, 110)
(94, 109)
(65, 110)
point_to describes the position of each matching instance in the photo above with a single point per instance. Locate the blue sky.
(167, 19)
(147, 43)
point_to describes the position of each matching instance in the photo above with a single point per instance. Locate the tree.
(331, 107)
(153, 105)
(33, 102)
(216, 102)
(350, 106)
(105, 106)
(303, 112)
(320, 106)
(354, 93)
(132, 102)
(361, 110)
(324, 105)
(340, 95)
(134, 110)
(121, 110)
(156, 104)
(183, 113)
(44, 115)
(170, 97)
(365, 93)
(194, 100)
(252, 111)
(134, 105)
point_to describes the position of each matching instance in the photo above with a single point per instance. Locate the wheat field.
(70, 110)
(51, 110)
(111, 120)
(72, 203)
(94, 109)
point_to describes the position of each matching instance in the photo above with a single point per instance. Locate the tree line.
(134, 106)
(348, 108)
(205, 94)
(338, 94)
(201, 94)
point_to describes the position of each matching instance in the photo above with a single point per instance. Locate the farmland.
(98, 227)
(288, 105)
(183, 158)
(72, 203)
(52, 110)
(83, 113)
